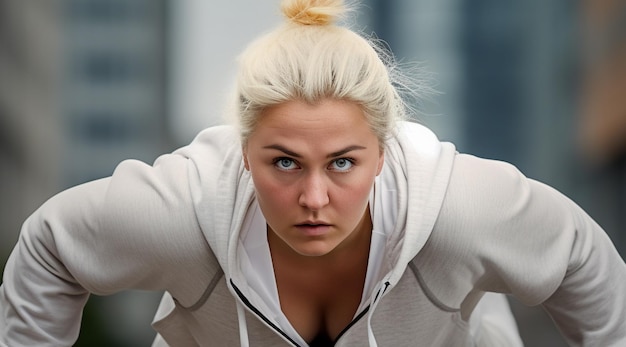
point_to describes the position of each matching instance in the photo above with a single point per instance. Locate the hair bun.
(313, 12)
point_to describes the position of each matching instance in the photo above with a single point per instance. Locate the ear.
(245, 159)
(381, 162)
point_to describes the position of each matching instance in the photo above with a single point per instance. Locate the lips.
(313, 224)
(313, 228)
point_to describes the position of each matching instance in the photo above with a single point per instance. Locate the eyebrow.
(331, 155)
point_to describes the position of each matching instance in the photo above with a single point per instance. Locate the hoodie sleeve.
(499, 231)
(132, 230)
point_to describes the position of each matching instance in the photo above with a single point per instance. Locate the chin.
(317, 250)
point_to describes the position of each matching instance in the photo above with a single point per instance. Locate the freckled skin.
(300, 177)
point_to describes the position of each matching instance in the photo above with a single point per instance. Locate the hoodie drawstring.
(377, 294)
(243, 327)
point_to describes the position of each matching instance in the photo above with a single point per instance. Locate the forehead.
(313, 129)
(299, 117)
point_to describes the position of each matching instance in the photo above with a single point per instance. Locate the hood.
(221, 189)
(423, 165)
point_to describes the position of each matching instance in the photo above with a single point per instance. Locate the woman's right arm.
(40, 298)
(130, 231)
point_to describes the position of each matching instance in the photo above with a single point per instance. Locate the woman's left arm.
(569, 264)
(589, 306)
(500, 231)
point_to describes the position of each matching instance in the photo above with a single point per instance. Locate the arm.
(500, 231)
(130, 231)
(576, 273)
(38, 291)
(589, 306)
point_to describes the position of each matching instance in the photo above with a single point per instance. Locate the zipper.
(261, 315)
(283, 334)
(362, 314)
(353, 322)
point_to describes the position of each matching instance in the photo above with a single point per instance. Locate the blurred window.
(103, 127)
(108, 67)
(107, 10)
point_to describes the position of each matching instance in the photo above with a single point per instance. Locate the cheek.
(355, 194)
(273, 196)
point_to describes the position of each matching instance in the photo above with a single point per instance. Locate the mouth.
(313, 224)
(313, 228)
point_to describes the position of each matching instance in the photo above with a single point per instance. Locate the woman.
(323, 219)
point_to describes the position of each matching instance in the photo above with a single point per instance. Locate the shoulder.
(485, 194)
(489, 183)
(150, 208)
(155, 205)
(417, 137)
(166, 191)
(482, 197)
(497, 230)
(425, 160)
(213, 143)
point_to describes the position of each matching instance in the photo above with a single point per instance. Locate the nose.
(314, 192)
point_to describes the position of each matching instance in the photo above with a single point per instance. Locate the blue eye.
(285, 164)
(342, 164)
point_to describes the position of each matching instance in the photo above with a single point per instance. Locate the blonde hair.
(310, 58)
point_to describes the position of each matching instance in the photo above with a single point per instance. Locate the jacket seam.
(207, 292)
(429, 294)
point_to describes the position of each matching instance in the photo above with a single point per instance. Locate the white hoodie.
(463, 226)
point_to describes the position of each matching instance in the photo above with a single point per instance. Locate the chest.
(320, 307)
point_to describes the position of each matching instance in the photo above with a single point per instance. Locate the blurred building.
(114, 91)
(30, 117)
(602, 123)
